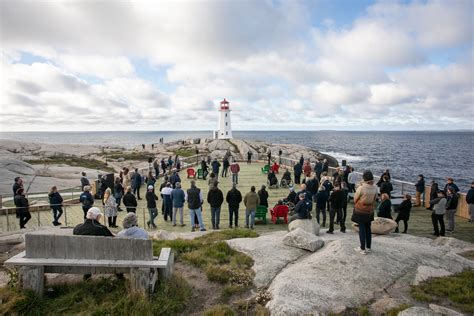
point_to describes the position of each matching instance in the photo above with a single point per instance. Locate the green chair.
(261, 213)
(200, 174)
(265, 169)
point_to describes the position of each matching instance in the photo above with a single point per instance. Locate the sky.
(283, 65)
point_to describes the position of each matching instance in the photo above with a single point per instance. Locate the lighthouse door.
(216, 134)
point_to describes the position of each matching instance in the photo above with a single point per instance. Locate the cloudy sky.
(165, 65)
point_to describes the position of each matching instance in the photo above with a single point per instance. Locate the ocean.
(406, 154)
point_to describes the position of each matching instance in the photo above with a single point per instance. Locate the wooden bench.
(62, 252)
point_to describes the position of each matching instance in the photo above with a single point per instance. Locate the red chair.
(279, 211)
(275, 167)
(191, 173)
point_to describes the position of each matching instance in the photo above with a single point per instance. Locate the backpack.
(85, 201)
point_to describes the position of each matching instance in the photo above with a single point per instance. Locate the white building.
(225, 129)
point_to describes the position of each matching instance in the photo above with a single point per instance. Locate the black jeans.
(435, 218)
(234, 213)
(57, 212)
(136, 191)
(297, 178)
(405, 221)
(24, 218)
(332, 213)
(323, 211)
(365, 235)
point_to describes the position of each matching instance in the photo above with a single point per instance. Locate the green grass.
(185, 152)
(106, 296)
(72, 161)
(220, 310)
(394, 311)
(456, 290)
(131, 155)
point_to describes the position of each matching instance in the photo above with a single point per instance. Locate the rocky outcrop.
(302, 239)
(269, 253)
(336, 277)
(308, 225)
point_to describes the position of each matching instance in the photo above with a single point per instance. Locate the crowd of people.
(327, 193)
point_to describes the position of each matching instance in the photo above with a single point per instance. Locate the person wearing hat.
(92, 225)
(151, 199)
(420, 189)
(470, 202)
(291, 196)
(22, 207)
(363, 215)
(131, 229)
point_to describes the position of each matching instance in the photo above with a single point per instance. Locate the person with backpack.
(55, 201)
(86, 200)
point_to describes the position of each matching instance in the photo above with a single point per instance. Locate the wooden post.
(32, 278)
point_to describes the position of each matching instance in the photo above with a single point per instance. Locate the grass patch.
(106, 296)
(71, 161)
(185, 152)
(394, 311)
(456, 290)
(220, 310)
(131, 155)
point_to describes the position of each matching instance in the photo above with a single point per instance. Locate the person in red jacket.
(235, 169)
(307, 168)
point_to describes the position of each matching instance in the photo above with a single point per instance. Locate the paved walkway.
(419, 224)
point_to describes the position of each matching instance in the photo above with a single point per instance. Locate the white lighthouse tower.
(225, 129)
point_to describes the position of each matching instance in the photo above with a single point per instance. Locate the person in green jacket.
(251, 201)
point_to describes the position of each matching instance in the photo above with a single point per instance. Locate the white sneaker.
(361, 251)
(368, 250)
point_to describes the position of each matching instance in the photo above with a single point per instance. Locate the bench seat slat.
(22, 261)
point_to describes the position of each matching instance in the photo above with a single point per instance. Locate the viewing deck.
(419, 224)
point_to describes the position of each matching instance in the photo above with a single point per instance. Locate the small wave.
(344, 156)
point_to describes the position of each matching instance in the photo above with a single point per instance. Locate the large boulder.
(380, 226)
(269, 253)
(425, 272)
(300, 238)
(308, 225)
(418, 311)
(336, 276)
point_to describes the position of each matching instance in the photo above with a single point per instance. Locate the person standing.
(166, 195)
(386, 186)
(127, 180)
(215, 167)
(433, 193)
(269, 156)
(298, 169)
(321, 202)
(118, 188)
(215, 198)
(151, 199)
(110, 207)
(450, 184)
(251, 201)
(163, 165)
(337, 202)
(351, 180)
(470, 202)
(17, 185)
(178, 198)
(137, 183)
(84, 180)
(318, 168)
(404, 212)
(233, 199)
(156, 166)
(56, 201)
(420, 189)
(235, 169)
(307, 168)
(22, 207)
(205, 169)
(194, 199)
(451, 207)
(364, 199)
(225, 166)
(385, 207)
(86, 200)
(249, 157)
(263, 196)
(439, 209)
(130, 201)
(325, 166)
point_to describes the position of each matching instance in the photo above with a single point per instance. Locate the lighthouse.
(225, 130)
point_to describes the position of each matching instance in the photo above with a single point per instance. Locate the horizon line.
(250, 130)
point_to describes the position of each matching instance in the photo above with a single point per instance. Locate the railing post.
(65, 215)
(8, 220)
(39, 220)
(403, 188)
(144, 219)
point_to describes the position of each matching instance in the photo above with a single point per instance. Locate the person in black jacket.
(22, 207)
(130, 201)
(17, 185)
(286, 178)
(451, 207)
(55, 201)
(385, 208)
(298, 169)
(301, 209)
(151, 199)
(215, 198)
(420, 189)
(263, 196)
(205, 169)
(470, 202)
(337, 202)
(86, 200)
(404, 212)
(118, 189)
(386, 186)
(233, 198)
(92, 226)
(433, 193)
(272, 180)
